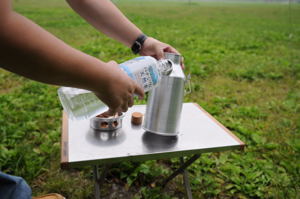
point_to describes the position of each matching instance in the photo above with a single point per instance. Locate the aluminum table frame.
(199, 132)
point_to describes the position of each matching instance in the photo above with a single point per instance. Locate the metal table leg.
(186, 181)
(97, 184)
(182, 170)
(99, 179)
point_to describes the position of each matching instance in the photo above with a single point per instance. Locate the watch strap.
(138, 43)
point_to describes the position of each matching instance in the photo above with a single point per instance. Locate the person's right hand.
(118, 91)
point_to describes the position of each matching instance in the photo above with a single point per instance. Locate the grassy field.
(245, 65)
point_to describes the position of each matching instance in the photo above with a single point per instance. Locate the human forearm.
(27, 49)
(106, 17)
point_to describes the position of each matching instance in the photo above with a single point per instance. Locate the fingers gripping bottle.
(145, 71)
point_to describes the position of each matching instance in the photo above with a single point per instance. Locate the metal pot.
(164, 103)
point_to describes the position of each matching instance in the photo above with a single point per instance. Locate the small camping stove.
(104, 123)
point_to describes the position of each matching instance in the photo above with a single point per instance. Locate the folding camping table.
(199, 132)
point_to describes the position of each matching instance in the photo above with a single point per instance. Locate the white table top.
(199, 132)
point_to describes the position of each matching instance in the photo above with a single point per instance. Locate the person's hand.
(118, 91)
(155, 48)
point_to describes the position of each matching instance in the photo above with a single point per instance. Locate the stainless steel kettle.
(164, 103)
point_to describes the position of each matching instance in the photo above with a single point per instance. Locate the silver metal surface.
(164, 107)
(165, 102)
(174, 57)
(198, 133)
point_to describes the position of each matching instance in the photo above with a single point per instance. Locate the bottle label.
(142, 70)
(127, 70)
(153, 75)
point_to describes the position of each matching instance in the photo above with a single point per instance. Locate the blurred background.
(244, 59)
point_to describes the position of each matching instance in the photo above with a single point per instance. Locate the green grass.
(245, 66)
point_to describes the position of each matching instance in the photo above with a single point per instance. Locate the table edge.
(155, 156)
(242, 144)
(64, 144)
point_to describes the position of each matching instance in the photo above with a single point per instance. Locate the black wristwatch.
(138, 43)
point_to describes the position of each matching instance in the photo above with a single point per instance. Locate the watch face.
(136, 48)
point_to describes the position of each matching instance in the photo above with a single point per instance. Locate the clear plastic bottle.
(145, 70)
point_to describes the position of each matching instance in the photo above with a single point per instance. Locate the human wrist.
(138, 43)
(147, 43)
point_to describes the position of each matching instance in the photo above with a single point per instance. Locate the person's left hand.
(156, 49)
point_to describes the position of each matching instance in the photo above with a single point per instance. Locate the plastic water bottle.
(145, 71)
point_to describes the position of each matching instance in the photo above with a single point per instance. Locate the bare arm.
(106, 17)
(29, 50)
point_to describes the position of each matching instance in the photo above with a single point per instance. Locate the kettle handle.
(187, 83)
